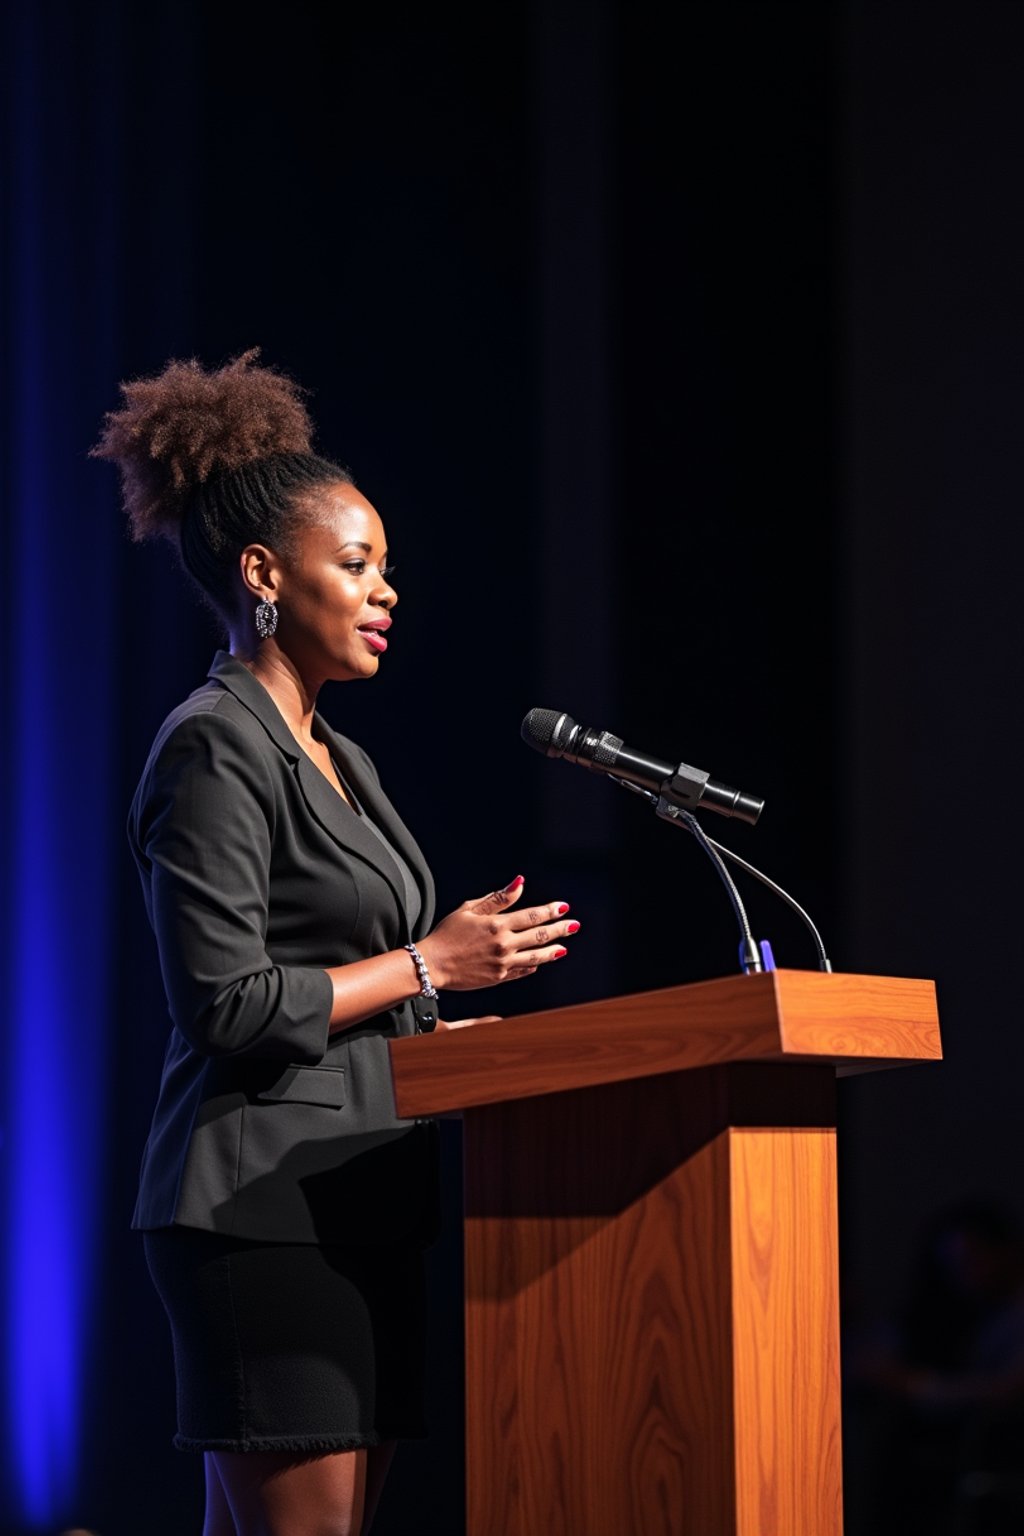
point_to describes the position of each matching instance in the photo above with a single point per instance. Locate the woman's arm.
(367, 987)
(480, 944)
(201, 831)
(202, 834)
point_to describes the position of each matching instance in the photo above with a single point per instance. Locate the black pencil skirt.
(291, 1346)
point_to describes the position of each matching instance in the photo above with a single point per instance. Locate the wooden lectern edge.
(851, 1067)
(779, 1015)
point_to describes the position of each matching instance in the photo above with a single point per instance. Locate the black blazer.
(257, 876)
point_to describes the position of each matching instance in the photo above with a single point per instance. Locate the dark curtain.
(684, 379)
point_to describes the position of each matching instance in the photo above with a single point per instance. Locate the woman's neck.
(290, 692)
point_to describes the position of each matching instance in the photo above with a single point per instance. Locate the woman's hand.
(443, 1025)
(481, 943)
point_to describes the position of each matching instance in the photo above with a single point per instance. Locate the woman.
(285, 1207)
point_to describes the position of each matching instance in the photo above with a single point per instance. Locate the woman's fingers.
(486, 1018)
(537, 917)
(530, 959)
(481, 943)
(497, 901)
(533, 921)
(529, 940)
(530, 935)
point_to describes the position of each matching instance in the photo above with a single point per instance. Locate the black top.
(413, 901)
(257, 877)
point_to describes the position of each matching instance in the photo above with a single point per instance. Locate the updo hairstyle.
(213, 461)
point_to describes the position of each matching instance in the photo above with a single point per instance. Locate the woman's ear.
(259, 571)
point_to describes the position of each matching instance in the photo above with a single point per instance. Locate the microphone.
(557, 734)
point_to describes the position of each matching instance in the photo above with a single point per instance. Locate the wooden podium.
(652, 1309)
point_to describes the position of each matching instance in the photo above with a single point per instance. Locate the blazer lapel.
(324, 802)
(346, 826)
(379, 808)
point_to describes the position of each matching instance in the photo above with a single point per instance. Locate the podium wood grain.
(618, 1380)
(652, 1338)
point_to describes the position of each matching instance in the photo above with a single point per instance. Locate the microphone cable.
(717, 851)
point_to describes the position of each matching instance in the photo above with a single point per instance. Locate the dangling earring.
(266, 618)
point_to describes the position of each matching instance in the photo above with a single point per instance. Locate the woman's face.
(334, 599)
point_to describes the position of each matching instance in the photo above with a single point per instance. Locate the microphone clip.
(684, 789)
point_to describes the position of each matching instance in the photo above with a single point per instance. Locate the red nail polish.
(560, 952)
(513, 883)
(562, 908)
(573, 927)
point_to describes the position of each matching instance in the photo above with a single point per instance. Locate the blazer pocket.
(308, 1085)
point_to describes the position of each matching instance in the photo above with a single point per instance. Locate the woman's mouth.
(373, 637)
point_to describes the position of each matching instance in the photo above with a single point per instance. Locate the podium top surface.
(854, 1023)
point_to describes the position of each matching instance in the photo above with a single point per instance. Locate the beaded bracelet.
(426, 989)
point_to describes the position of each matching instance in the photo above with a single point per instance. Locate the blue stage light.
(60, 543)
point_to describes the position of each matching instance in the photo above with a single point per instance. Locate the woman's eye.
(357, 567)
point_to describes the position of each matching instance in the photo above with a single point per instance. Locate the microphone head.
(547, 731)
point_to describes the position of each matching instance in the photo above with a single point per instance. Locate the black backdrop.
(683, 365)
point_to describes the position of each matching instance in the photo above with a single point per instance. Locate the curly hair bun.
(185, 424)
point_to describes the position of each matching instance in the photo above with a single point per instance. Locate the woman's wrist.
(427, 988)
(431, 959)
(365, 988)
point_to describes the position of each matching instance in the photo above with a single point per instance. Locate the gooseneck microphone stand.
(753, 957)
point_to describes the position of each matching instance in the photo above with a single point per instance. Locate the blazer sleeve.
(202, 835)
